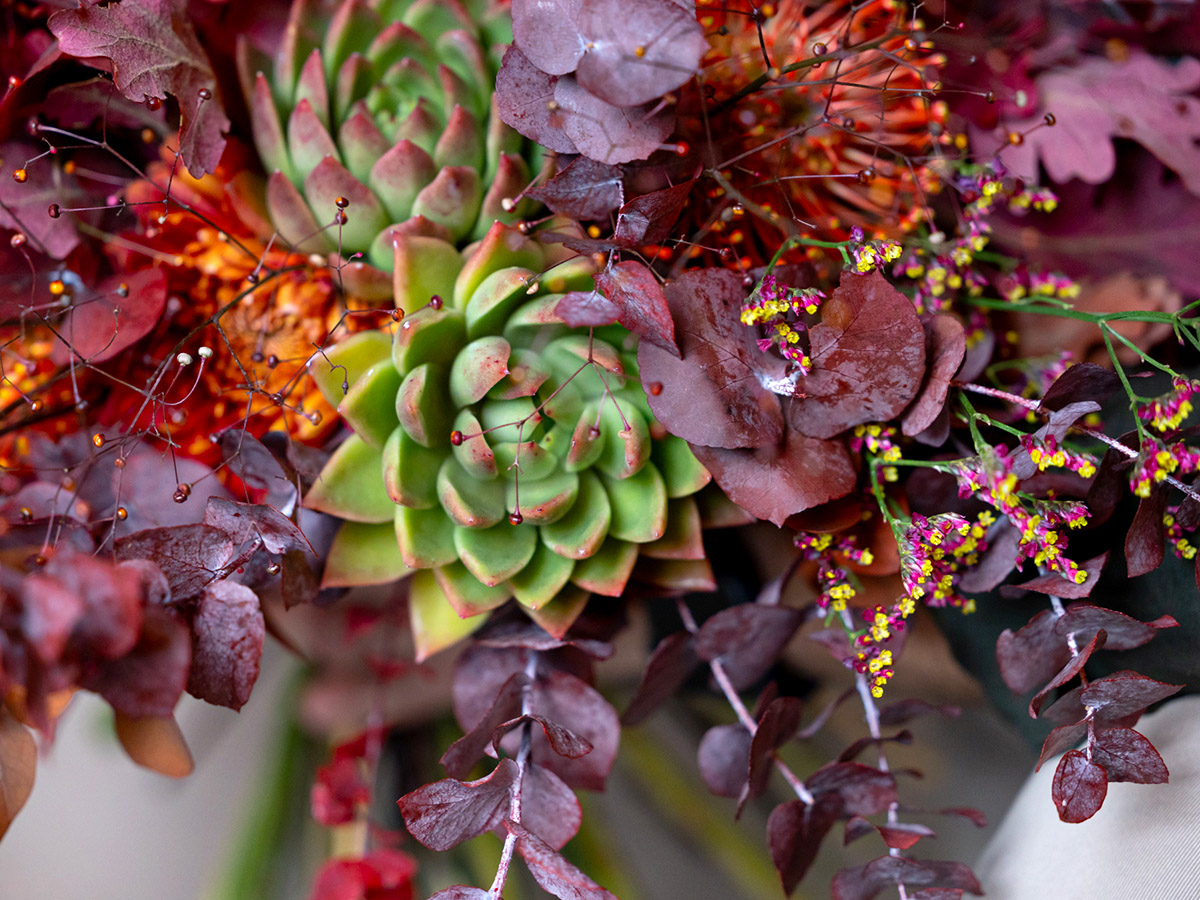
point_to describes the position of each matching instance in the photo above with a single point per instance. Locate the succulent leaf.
(364, 553)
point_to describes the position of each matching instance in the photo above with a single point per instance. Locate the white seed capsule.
(184, 359)
(205, 352)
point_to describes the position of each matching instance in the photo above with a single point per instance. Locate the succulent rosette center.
(372, 114)
(497, 452)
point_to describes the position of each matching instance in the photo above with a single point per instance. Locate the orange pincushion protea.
(837, 143)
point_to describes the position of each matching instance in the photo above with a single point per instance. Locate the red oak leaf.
(154, 52)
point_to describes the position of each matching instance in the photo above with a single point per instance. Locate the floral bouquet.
(484, 349)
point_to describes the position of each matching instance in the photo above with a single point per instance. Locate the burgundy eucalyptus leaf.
(123, 310)
(1124, 632)
(462, 755)
(669, 666)
(1127, 755)
(970, 814)
(103, 606)
(865, 882)
(1058, 586)
(584, 191)
(1068, 672)
(258, 469)
(154, 52)
(900, 737)
(553, 873)
(549, 808)
(525, 102)
(777, 725)
(580, 708)
(904, 836)
(713, 395)
(1060, 740)
(149, 680)
(746, 639)
(446, 813)
(1030, 656)
(23, 208)
(1079, 787)
(774, 482)
(997, 561)
(910, 708)
(945, 347)
(636, 52)
(856, 827)
(300, 583)
(562, 741)
(823, 716)
(864, 791)
(604, 131)
(244, 522)
(868, 354)
(647, 218)
(937, 894)
(587, 309)
(462, 892)
(1083, 381)
(547, 31)
(1124, 693)
(641, 303)
(794, 833)
(191, 556)
(724, 759)
(1145, 544)
(227, 642)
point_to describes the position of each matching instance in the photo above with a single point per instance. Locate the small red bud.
(456, 438)
(515, 518)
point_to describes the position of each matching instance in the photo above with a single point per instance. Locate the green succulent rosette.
(498, 453)
(387, 104)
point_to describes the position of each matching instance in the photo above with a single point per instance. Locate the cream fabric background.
(1144, 843)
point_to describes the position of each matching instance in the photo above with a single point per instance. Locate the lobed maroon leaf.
(227, 642)
(868, 354)
(1060, 740)
(636, 52)
(191, 556)
(910, 708)
(549, 808)
(1069, 671)
(774, 482)
(777, 725)
(562, 741)
(1031, 655)
(1079, 787)
(154, 52)
(865, 882)
(115, 318)
(586, 309)
(1124, 632)
(462, 755)
(1145, 544)
(746, 639)
(1124, 693)
(794, 833)
(1080, 382)
(1127, 755)
(670, 665)
(148, 680)
(547, 31)
(724, 759)
(584, 190)
(641, 303)
(864, 791)
(647, 218)
(1058, 586)
(553, 873)
(945, 347)
(525, 102)
(446, 813)
(711, 396)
